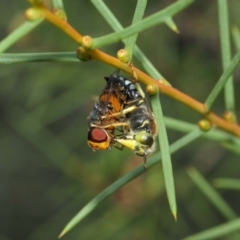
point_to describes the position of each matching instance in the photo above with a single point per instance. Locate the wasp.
(141, 132)
(109, 112)
(122, 116)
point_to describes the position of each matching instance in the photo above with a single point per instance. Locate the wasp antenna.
(139, 88)
(145, 162)
(133, 71)
(106, 78)
(144, 166)
(116, 72)
(144, 173)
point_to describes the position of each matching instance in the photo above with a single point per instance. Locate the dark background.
(47, 171)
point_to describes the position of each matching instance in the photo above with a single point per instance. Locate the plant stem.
(143, 77)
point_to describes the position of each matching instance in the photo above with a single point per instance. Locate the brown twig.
(143, 77)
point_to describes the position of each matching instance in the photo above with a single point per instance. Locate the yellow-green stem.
(143, 77)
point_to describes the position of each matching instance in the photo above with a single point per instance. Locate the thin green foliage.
(232, 147)
(225, 139)
(222, 80)
(88, 208)
(33, 129)
(211, 194)
(58, 7)
(60, 106)
(116, 26)
(138, 15)
(184, 141)
(231, 184)
(236, 37)
(58, 4)
(154, 19)
(165, 154)
(226, 52)
(8, 58)
(18, 33)
(107, 15)
(171, 24)
(216, 232)
(168, 171)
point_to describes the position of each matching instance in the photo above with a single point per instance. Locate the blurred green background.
(47, 171)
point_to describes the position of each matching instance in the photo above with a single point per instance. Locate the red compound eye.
(97, 135)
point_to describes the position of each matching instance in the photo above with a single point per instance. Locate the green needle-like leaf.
(236, 37)
(58, 4)
(138, 15)
(7, 58)
(211, 194)
(184, 141)
(142, 25)
(165, 154)
(171, 24)
(226, 52)
(116, 26)
(225, 139)
(31, 129)
(192, 136)
(222, 81)
(103, 195)
(18, 33)
(232, 147)
(59, 9)
(216, 232)
(232, 184)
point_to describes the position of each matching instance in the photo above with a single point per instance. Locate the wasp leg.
(145, 162)
(119, 147)
(123, 112)
(135, 77)
(118, 124)
(144, 166)
(139, 101)
(126, 110)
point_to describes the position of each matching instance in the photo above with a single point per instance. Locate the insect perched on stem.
(122, 118)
